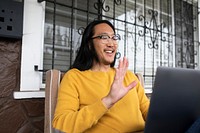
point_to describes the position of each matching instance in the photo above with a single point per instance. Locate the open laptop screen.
(175, 101)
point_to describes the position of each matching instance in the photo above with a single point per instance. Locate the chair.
(53, 78)
(140, 78)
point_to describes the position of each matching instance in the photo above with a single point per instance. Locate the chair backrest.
(53, 78)
(141, 78)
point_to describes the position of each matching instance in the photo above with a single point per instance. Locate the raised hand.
(118, 90)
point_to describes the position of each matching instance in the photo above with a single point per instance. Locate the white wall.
(32, 49)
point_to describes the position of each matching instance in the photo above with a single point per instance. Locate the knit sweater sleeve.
(69, 117)
(143, 99)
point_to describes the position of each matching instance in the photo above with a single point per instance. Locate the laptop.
(175, 101)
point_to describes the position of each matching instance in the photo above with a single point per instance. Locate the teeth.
(108, 51)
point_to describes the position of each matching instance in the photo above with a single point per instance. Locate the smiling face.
(105, 50)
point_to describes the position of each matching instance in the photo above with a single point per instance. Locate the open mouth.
(109, 51)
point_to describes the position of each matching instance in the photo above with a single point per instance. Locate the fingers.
(117, 74)
(121, 69)
(120, 64)
(127, 63)
(131, 85)
(123, 64)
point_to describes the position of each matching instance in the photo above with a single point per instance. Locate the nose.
(110, 43)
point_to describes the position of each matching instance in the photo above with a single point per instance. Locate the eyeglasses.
(105, 38)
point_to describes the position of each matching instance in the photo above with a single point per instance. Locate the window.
(63, 29)
(148, 28)
(154, 33)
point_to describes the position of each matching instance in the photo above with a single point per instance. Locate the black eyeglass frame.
(108, 37)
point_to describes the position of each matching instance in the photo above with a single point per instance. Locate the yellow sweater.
(79, 107)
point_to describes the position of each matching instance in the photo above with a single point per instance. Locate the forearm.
(79, 121)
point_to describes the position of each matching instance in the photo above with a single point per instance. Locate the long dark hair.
(87, 53)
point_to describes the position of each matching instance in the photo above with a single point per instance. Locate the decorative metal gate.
(154, 32)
